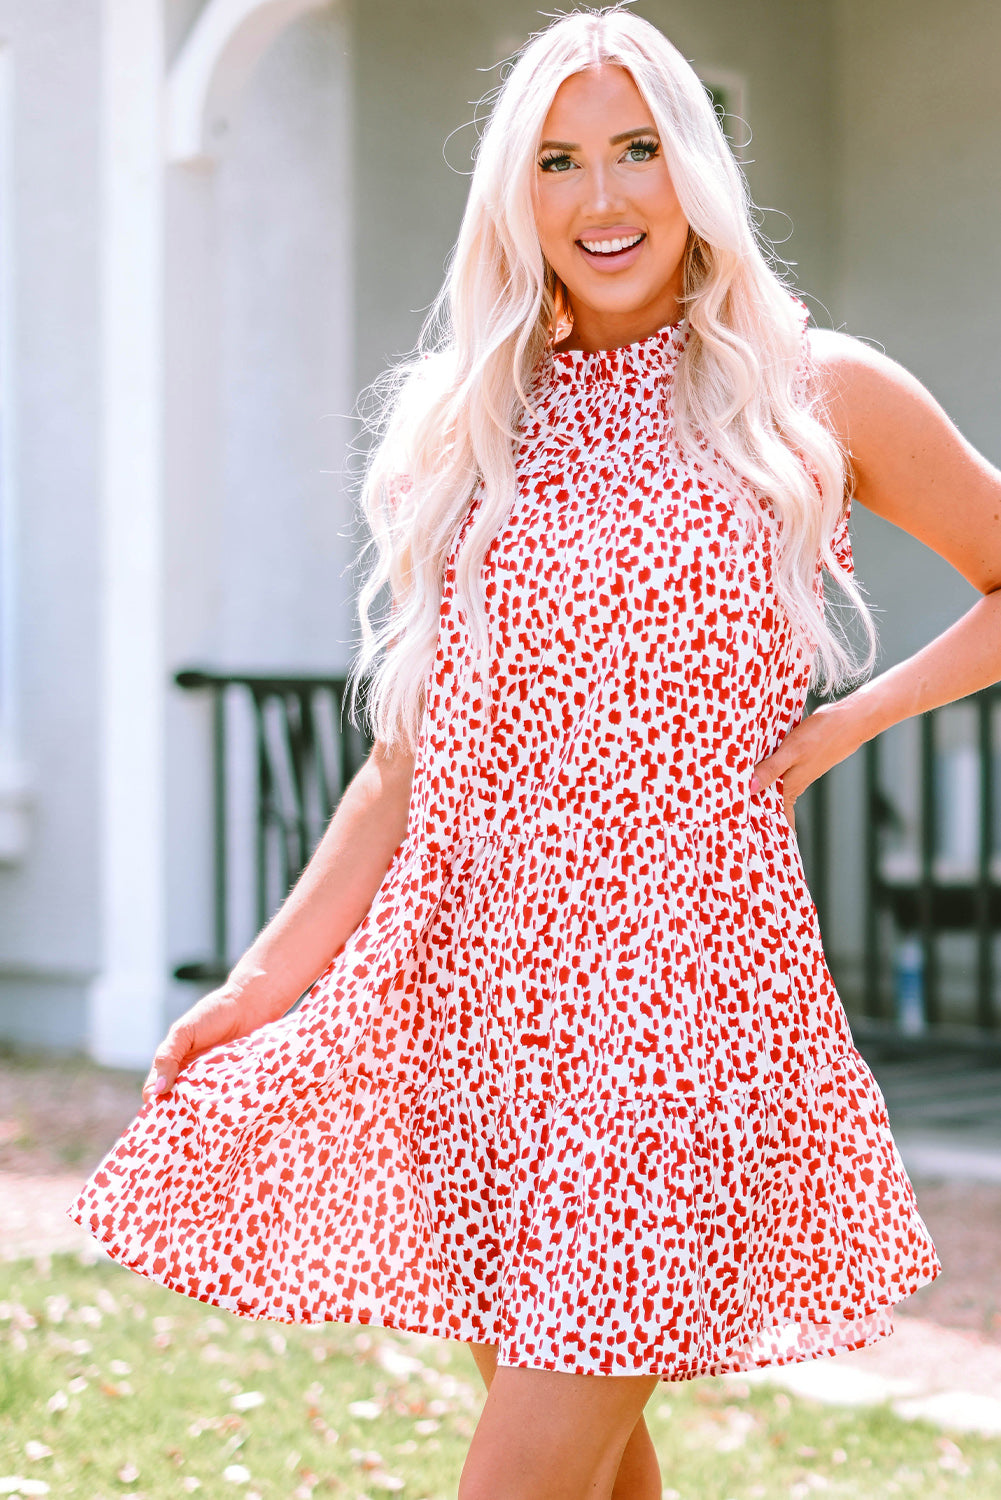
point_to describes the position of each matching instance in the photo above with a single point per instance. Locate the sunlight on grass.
(113, 1387)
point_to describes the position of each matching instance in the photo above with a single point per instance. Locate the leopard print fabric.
(580, 1084)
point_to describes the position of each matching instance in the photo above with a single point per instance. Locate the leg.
(550, 1436)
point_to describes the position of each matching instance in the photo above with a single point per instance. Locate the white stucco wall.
(261, 378)
(920, 192)
(48, 911)
(919, 221)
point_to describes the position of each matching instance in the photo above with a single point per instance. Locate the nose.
(604, 195)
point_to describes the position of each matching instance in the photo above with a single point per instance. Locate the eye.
(647, 150)
(554, 161)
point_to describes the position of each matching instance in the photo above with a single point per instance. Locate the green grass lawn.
(113, 1387)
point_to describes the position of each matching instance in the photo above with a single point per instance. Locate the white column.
(15, 784)
(127, 999)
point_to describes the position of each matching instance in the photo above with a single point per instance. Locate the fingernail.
(161, 1084)
(755, 784)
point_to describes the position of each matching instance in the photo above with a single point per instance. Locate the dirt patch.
(964, 1219)
(57, 1115)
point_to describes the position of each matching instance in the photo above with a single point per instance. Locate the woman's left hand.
(829, 735)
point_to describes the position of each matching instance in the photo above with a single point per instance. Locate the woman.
(577, 1087)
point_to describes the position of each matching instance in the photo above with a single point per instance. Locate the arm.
(329, 900)
(912, 467)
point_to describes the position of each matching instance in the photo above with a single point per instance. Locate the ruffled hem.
(658, 1234)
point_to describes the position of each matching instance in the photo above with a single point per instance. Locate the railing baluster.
(929, 845)
(820, 860)
(346, 769)
(985, 937)
(871, 999)
(318, 703)
(286, 815)
(264, 810)
(220, 823)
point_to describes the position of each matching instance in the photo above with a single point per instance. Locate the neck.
(594, 330)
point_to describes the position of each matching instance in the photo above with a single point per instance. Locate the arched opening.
(260, 378)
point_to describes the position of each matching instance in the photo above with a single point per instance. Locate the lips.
(630, 244)
(610, 245)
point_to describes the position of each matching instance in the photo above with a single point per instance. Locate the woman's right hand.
(217, 1018)
(326, 904)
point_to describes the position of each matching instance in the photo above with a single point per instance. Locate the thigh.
(548, 1435)
(485, 1356)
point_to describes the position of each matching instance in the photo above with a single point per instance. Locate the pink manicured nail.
(755, 784)
(161, 1084)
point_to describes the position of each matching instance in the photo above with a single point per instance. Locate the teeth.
(608, 247)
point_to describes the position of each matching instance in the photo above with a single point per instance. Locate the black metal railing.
(299, 751)
(304, 753)
(917, 876)
(929, 864)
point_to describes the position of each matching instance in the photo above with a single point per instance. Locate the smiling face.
(607, 215)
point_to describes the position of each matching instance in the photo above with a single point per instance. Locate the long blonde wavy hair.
(447, 417)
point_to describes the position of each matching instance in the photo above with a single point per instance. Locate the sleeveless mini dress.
(580, 1084)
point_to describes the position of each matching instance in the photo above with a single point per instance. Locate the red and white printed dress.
(580, 1084)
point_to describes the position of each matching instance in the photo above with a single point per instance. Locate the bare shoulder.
(909, 461)
(858, 383)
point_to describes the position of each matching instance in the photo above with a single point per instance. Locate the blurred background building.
(218, 220)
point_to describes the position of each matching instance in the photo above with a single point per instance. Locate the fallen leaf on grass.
(321, 1428)
(395, 1362)
(366, 1458)
(56, 1308)
(247, 1400)
(369, 1410)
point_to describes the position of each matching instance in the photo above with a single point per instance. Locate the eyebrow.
(613, 140)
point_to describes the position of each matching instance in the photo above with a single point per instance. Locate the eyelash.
(650, 146)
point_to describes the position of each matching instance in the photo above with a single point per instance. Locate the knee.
(509, 1484)
(509, 1472)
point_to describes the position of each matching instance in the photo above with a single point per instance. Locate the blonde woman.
(572, 1082)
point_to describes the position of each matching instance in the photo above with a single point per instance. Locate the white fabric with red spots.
(580, 1084)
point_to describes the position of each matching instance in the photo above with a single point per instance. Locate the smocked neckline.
(653, 353)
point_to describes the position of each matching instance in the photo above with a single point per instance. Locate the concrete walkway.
(946, 1114)
(923, 1371)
